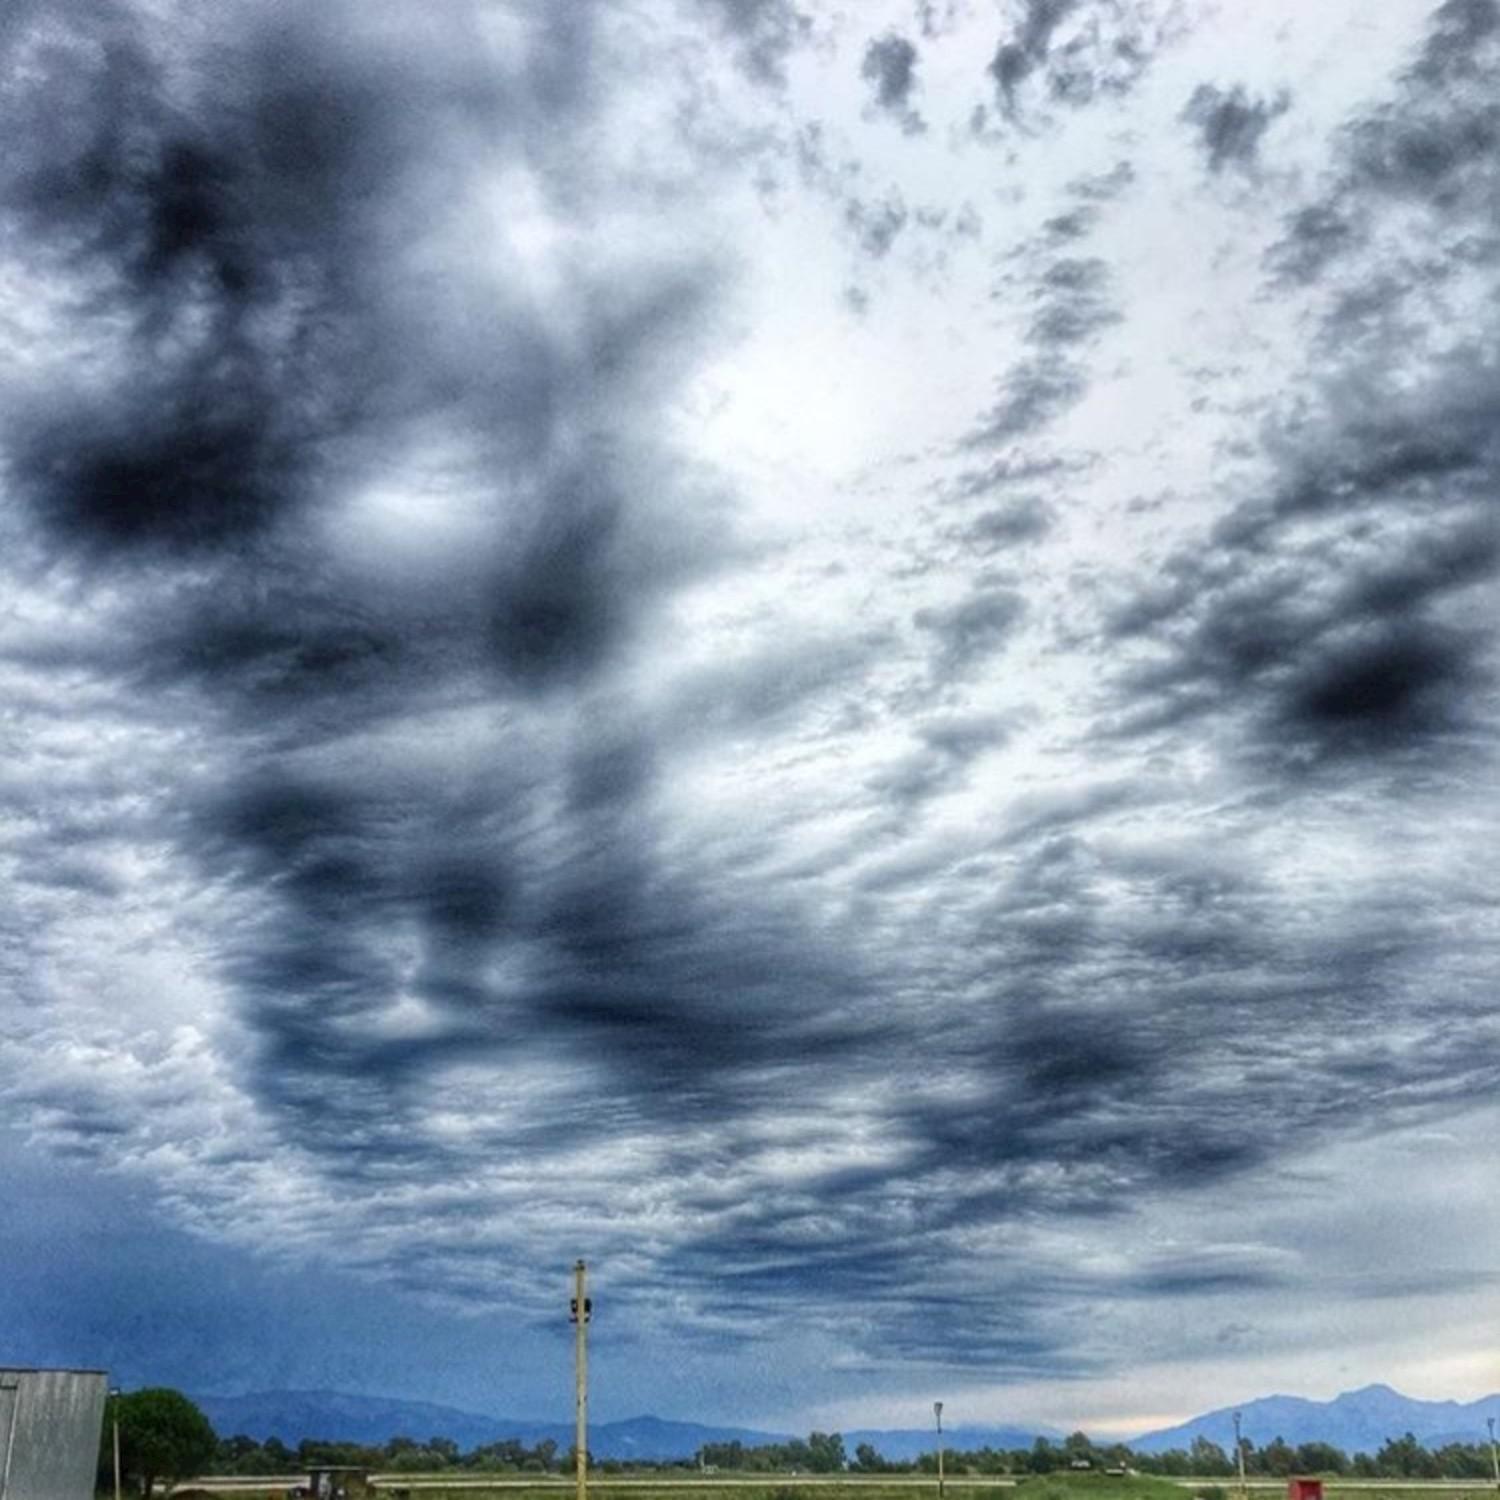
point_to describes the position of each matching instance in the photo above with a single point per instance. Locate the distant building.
(50, 1424)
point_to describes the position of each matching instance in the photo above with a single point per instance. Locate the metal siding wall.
(55, 1421)
(10, 1387)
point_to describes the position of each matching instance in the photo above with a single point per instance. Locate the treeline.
(244, 1455)
(824, 1453)
(1399, 1458)
(821, 1453)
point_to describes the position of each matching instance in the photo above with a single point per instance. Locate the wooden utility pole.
(937, 1411)
(582, 1308)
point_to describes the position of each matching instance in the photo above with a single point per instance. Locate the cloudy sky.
(840, 656)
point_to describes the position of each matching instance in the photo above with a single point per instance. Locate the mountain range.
(340, 1416)
(1356, 1421)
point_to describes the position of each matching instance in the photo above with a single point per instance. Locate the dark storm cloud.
(246, 263)
(479, 898)
(945, 749)
(890, 64)
(1346, 611)
(890, 67)
(1087, 1099)
(1230, 123)
(1070, 306)
(1032, 393)
(876, 225)
(971, 630)
(936, 20)
(767, 33)
(1368, 665)
(1072, 225)
(1103, 53)
(265, 249)
(1314, 237)
(768, 690)
(191, 444)
(1024, 520)
(1456, 28)
(1073, 306)
(1023, 53)
(1432, 147)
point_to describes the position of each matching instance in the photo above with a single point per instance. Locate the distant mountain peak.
(1358, 1421)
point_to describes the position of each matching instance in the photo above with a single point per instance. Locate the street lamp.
(1239, 1454)
(114, 1406)
(1494, 1461)
(937, 1411)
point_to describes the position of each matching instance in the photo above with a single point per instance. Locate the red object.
(1304, 1489)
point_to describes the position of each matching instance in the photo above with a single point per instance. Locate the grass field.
(677, 1485)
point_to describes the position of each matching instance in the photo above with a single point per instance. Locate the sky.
(840, 657)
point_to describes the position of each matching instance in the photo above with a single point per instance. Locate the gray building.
(50, 1424)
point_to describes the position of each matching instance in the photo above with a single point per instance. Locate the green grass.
(680, 1485)
(1096, 1486)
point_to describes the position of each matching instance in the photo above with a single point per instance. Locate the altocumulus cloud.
(451, 787)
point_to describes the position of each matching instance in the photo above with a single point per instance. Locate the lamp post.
(1494, 1461)
(114, 1413)
(1239, 1454)
(937, 1411)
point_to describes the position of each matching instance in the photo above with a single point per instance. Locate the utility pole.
(114, 1406)
(582, 1310)
(937, 1411)
(1494, 1461)
(1239, 1454)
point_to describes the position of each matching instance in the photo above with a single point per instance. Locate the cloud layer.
(485, 760)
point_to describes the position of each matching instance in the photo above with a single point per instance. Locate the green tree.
(1278, 1457)
(1405, 1458)
(1078, 1448)
(1208, 1458)
(163, 1436)
(1043, 1458)
(825, 1452)
(1462, 1461)
(1320, 1458)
